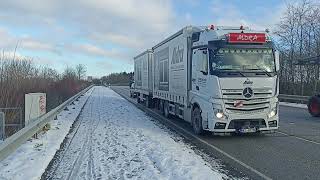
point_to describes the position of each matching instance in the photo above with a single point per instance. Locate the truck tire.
(148, 102)
(161, 106)
(196, 121)
(166, 109)
(314, 106)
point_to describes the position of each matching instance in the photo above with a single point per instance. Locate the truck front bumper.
(243, 121)
(245, 124)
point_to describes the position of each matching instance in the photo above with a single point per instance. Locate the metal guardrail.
(294, 98)
(13, 142)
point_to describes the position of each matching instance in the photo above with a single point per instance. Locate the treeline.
(299, 40)
(122, 78)
(19, 76)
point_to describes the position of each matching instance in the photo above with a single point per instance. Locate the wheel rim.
(314, 107)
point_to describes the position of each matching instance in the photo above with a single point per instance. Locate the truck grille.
(258, 103)
(237, 93)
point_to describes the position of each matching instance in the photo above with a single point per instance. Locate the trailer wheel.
(314, 106)
(161, 106)
(196, 121)
(149, 102)
(166, 109)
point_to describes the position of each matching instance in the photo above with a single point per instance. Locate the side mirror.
(277, 60)
(204, 73)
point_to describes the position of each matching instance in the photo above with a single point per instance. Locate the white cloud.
(93, 50)
(128, 24)
(6, 39)
(152, 14)
(32, 44)
(118, 39)
(8, 42)
(108, 29)
(231, 15)
(10, 55)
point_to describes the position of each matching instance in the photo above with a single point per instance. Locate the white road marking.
(300, 138)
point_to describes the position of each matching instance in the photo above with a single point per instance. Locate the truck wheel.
(196, 121)
(148, 102)
(161, 106)
(314, 106)
(166, 109)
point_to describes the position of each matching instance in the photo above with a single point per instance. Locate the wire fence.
(13, 121)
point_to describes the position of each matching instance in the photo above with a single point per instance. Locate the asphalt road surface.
(293, 152)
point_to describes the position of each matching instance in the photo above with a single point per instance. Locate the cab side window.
(200, 58)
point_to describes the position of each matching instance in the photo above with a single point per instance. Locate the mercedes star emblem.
(247, 92)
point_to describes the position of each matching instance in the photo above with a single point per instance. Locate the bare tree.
(81, 71)
(298, 33)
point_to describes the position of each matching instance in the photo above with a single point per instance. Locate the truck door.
(199, 71)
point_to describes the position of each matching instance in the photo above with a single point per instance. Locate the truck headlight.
(272, 113)
(219, 114)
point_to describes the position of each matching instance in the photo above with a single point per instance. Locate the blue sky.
(104, 35)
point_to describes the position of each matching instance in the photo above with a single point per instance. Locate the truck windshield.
(242, 60)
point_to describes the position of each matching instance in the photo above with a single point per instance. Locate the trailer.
(219, 79)
(143, 78)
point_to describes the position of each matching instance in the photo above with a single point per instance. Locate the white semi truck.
(220, 79)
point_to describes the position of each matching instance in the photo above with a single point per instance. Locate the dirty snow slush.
(112, 139)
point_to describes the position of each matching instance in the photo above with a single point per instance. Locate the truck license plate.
(249, 130)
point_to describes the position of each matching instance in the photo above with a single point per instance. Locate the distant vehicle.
(220, 79)
(314, 105)
(89, 78)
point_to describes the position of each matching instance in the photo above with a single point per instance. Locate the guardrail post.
(2, 126)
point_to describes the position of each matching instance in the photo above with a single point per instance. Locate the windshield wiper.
(234, 71)
(261, 69)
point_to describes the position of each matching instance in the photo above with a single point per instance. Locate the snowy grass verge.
(296, 105)
(31, 159)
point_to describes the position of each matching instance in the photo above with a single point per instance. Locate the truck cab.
(234, 81)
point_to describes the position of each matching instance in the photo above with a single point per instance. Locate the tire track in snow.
(85, 157)
(115, 140)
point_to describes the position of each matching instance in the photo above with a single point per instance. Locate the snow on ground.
(304, 106)
(30, 160)
(115, 140)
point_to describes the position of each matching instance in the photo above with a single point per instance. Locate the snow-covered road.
(114, 140)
